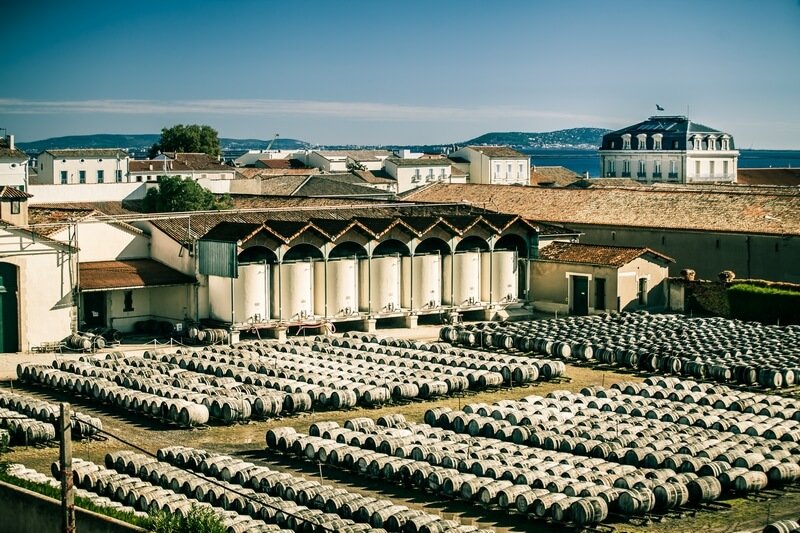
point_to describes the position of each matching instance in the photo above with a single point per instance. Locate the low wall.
(24, 511)
(87, 192)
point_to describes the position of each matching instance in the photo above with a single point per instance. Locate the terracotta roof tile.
(180, 162)
(13, 193)
(552, 176)
(498, 151)
(590, 254)
(774, 211)
(768, 176)
(129, 274)
(89, 152)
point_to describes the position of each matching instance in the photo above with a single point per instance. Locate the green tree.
(187, 138)
(176, 194)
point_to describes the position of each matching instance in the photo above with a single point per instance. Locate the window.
(128, 301)
(139, 179)
(521, 170)
(675, 145)
(599, 293)
(657, 141)
(416, 177)
(626, 169)
(101, 176)
(697, 168)
(497, 170)
(641, 141)
(712, 143)
(711, 168)
(642, 291)
(81, 176)
(430, 174)
(626, 142)
(442, 174)
(656, 169)
(642, 169)
(697, 142)
(725, 169)
(726, 143)
(509, 170)
(64, 177)
(611, 171)
(15, 207)
(612, 145)
(673, 169)
(119, 176)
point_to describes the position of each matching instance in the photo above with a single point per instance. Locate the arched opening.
(9, 308)
(302, 252)
(391, 247)
(512, 242)
(257, 254)
(472, 243)
(432, 245)
(347, 249)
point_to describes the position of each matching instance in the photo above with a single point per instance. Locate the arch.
(432, 245)
(257, 254)
(347, 249)
(9, 308)
(512, 241)
(472, 243)
(391, 247)
(302, 252)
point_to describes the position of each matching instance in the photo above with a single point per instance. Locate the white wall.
(406, 176)
(49, 168)
(100, 241)
(97, 192)
(13, 173)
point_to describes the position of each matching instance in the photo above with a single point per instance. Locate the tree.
(187, 138)
(175, 194)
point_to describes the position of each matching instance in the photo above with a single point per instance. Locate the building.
(199, 167)
(753, 231)
(412, 173)
(345, 160)
(669, 149)
(13, 165)
(769, 176)
(553, 176)
(582, 279)
(81, 166)
(496, 165)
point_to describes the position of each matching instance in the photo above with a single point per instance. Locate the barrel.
(588, 511)
(670, 495)
(704, 489)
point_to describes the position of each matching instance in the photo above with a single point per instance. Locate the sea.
(582, 161)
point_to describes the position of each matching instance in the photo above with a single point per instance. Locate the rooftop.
(438, 162)
(499, 151)
(355, 155)
(768, 176)
(774, 211)
(129, 274)
(590, 254)
(179, 162)
(555, 176)
(88, 153)
(13, 193)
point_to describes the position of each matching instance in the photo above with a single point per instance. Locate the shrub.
(199, 520)
(768, 305)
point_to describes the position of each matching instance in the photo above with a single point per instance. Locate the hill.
(573, 138)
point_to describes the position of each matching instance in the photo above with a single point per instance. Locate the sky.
(398, 72)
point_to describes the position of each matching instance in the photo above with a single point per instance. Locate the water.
(581, 161)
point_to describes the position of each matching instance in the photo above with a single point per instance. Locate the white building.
(413, 173)
(195, 166)
(345, 160)
(671, 149)
(13, 165)
(499, 165)
(81, 166)
(250, 157)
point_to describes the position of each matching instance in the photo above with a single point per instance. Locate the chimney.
(10, 140)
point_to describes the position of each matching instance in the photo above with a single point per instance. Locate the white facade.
(82, 166)
(344, 160)
(13, 165)
(250, 157)
(413, 173)
(497, 165)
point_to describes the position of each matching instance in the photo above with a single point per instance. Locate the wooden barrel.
(634, 502)
(670, 495)
(541, 505)
(751, 481)
(704, 489)
(588, 511)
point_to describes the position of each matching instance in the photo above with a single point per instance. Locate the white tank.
(381, 286)
(464, 281)
(250, 291)
(340, 288)
(499, 281)
(424, 272)
(293, 291)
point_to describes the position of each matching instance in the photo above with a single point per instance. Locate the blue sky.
(375, 71)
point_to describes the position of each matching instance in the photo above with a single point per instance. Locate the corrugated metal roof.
(128, 274)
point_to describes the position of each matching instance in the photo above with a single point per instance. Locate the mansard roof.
(672, 128)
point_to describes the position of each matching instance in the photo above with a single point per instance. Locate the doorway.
(94, 309)
(9, 309)
(579, 304)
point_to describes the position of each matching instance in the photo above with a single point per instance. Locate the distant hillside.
(574, 138)
(139, 144)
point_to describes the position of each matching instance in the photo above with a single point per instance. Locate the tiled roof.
(672, 128)
(52, 218)
(252, 173)
(8, 153)
(590, 254)
(13, 193)
(280, 163)
(456, 171)
(329, 185)
(438, 162)
(775, 211)
(375, 176)
(34, 234)
(282, 185)
(180, 162)
(584, 183)
(552, 176)
(88, 152)
(498, 151)
(768, 176)
(129, 274)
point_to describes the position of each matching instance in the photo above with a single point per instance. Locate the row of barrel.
(351, 507)
(151, 493)
(21, 429)
(714, 349)
(24, 473)
(83, 425)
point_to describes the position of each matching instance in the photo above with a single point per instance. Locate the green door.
(9, 321)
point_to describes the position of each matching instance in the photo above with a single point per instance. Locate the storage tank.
(340, 288)
(381, 286)
(503, 280)
(463, 282)
(251, 293)
(425, 273)
(295, 299)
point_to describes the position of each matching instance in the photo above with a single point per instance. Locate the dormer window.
(712, 142)
(626, 141)
(641, 141)
(697, 142)
(657, 141)
(612, 145)
(726, 142)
